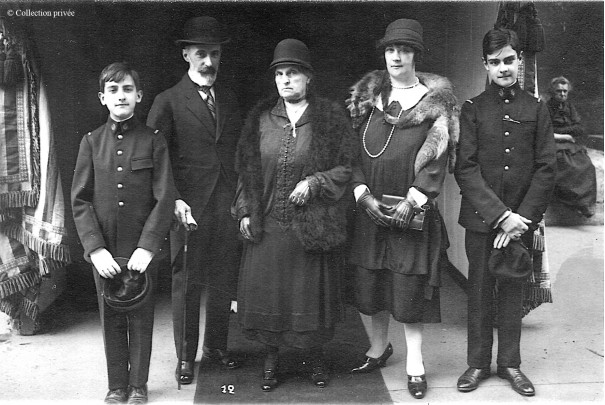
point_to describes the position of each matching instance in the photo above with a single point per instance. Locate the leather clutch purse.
(417, 222)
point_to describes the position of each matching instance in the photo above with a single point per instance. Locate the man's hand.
(140, 259)
(182, 212)
(502, 240)
(301, 193)
(244, 228)
(515, 225)
(104, 263)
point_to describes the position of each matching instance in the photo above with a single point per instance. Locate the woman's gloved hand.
(374, 208)
(404, 211)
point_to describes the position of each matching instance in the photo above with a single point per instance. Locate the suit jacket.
(506, 157)
(201, 152)
(123, 190)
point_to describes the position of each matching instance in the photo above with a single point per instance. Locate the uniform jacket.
(123, 190)
(506, 157)
(201, 151)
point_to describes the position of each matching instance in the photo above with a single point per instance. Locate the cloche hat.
(405, 31)
(127, 290)
(203, 30)
(291, 52)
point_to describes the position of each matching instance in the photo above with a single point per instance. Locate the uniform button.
(120, 186)
(505, 117)
(120, 168)
(506, 133)
(121, 203)
(119, 153)
(120, 136)
(505, 167)
(506, 101)
(507, 150)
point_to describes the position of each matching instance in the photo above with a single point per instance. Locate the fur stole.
(332, 144)
(439, 106)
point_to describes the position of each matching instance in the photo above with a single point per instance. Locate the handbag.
(511, 262)
(321, 226)
(417, 222)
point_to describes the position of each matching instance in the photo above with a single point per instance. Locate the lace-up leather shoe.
(137, 395)
(469, 380)
(116, 396)
(371, 364)
(223, 357)
(186, 372)
(269, 380)
(518, 380)
(417, 386)
(319, 376)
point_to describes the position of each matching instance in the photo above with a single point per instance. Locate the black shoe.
(417, 386)
(117, 396)
(319, 376)
(469, 380)
(186, 373)
(371, 364)
(518, 380)
(269, 380)
(223, 357)
(137, 395)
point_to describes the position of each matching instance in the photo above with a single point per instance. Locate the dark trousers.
(480, 308)
(127, 337)
(213, 259)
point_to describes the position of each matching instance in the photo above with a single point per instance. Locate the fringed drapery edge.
(18, 283)
(48, 265)
(20, 305)
(18, 199)
(54, 251)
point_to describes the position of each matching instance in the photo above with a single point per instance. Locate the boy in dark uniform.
(506, 171)
(123, 198)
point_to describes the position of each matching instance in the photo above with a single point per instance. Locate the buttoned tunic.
(123, 189)
(506, 157)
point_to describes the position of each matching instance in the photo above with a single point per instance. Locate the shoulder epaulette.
(469, 101)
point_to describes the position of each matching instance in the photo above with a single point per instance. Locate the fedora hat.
(404, 31)
(511, 262)
(203, 30)
(127, 290)
(291, 52)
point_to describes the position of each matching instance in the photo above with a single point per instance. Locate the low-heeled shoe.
(222, 356)
(185, 376)
(518, 380)
(319, 376)
(417, 386)
(116, 396)
(469, 380)
(371, 364)
(269, 380)
(137, 395)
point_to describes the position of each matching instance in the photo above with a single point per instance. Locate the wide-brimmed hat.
(127, 290)
(203, 30)
(403, 31)
(291, 52)
(511, 262)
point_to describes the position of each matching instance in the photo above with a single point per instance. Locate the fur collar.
(439, 106)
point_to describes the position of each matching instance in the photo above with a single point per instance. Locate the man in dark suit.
(506, 170)
(201, 122)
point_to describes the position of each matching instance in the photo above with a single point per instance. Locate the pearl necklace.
(388, 140)
(406, 87)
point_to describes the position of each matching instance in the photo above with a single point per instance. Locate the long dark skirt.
(576, 182)
(407, 297)
(286, 295)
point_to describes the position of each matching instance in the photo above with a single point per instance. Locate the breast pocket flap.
(141, 163)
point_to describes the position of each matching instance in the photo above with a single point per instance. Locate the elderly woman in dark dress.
(407, 122)
(294, 160)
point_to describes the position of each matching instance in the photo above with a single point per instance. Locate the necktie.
(209, 100)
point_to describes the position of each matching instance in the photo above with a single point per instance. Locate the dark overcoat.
(506, 158)
(199, 151)
(123, 191)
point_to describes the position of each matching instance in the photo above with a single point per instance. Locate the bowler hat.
(511, 262)
(203, 30)
(404, 31)
(291, 52)
(127, 290)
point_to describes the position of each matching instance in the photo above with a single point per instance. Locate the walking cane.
(192, 225)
